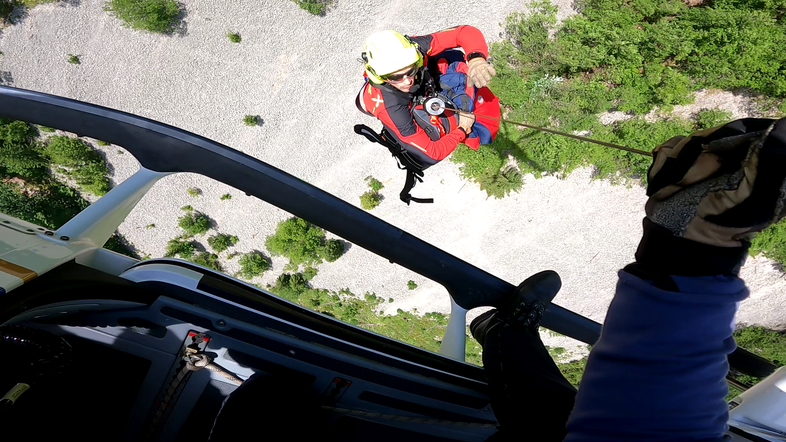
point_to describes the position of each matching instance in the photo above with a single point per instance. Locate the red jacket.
(391, 105)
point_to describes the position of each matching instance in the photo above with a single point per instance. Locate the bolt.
(221, 323)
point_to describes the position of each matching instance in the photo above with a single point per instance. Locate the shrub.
(187, 208)
(411, 285)
(221, 242)
(150, 226)
(180, 247)
(194, 192)
(159, 16)
(46, 129)
(104, 143)
(6, 8)
(501, 183)
(234, 37)
(20, 155)
(206, 259)
(370, 200)
(48, 204)
(80, 162)
(194, 223)
(251, 120)
(309, 273)
(74, 59)
(302, 243)
(316, 7)
(332, 250)
(226, 196)
(252, 264)
(374, 184)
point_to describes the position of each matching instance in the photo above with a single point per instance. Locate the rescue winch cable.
(436, 106)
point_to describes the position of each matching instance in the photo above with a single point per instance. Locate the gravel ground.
(299, 74)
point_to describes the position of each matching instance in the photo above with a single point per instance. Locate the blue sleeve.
(658, 371)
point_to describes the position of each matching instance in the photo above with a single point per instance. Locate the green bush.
(252, 264)
(194, 192)
(159, 16)
(194, 223)
(187, 208)
(226, 196)
(309, 273)
(370, 200)
(81, 162)
(6, 8)
(374, 184)
(221, 242)
(180, 247)
(251, 120)
(411, 285)
(48, 204)
(20, 154)
(74, 59)
(104, 143)
(46, 129)
(206, 259)
(316, 7)
(234, 37)
(302, 243)
(331, 250)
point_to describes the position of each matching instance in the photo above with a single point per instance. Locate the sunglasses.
(398, 77)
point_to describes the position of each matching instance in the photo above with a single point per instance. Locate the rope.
(555, 132)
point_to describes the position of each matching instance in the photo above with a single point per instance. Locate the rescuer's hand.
(710, 193)
(466, 120)
(480, 72)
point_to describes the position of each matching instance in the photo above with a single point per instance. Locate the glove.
(466, 120)
(479, 72)
(709, 194)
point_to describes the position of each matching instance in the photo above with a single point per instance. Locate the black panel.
(431, 412)
(350, 429)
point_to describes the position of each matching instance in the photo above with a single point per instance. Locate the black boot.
(523, 308)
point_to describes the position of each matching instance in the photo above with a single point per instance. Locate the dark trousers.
(530, 397)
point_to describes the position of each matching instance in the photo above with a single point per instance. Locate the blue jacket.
(658, 371)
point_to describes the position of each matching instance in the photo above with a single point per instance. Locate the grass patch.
(303, 243)
(194, 223)
(74, 59)
(234, 37)
(771, 242)
(226, 197)
(193, 192)
(221, 242)
(104, 143)
(316, 7)
(251, 120)
(252, 264)
(150, 226)
(411, 285)
(769, 344)
(374, 184)
(187, 208)
(158, 16)
(79, 161)
(46, 129)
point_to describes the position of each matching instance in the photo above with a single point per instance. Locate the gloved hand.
(480, 72)
(709, 194)
(466, 120)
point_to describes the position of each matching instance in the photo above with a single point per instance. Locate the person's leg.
(528, 393)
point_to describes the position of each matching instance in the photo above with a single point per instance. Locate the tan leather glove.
(710, 193)
(480, 72)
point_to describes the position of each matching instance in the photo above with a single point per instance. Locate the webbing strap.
(412, 179)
